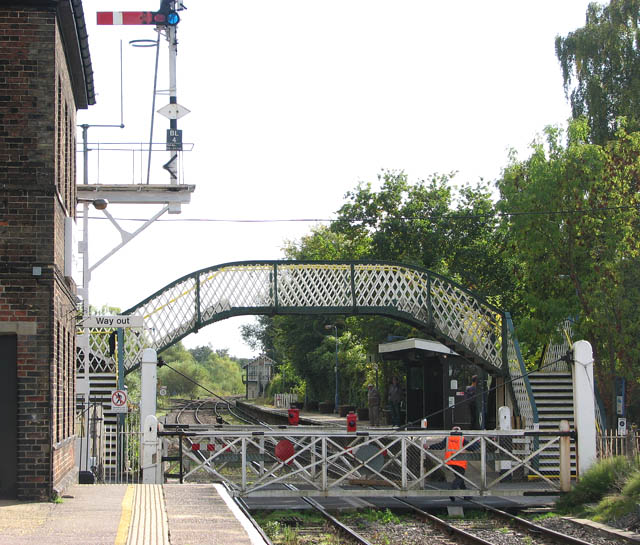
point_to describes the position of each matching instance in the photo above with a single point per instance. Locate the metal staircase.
(552, 388)
(553, 394)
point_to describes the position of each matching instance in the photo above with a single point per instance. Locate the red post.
(352, 419)
(294, 417)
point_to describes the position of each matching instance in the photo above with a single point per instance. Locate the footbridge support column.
(584, 405)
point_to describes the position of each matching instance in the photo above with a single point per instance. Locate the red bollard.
(352, 419)
(294, 417)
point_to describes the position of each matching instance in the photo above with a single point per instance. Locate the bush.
(613, 507)
(604, 478)
(632, 486)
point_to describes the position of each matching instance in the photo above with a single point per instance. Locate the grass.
(305, 516)
(378, 515)
(607, 492)
(606, 477)
(544, 516)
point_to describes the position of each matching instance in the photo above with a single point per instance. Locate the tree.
(201, 370)
(185, 382)
(428, 224)
(601, 68)
(425, 223)
(572, 211)
(223, 374)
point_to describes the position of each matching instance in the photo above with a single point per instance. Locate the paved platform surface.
(113, 514)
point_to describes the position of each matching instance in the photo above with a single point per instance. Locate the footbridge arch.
(443, 309)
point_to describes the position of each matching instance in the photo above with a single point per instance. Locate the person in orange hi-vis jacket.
(453, 444)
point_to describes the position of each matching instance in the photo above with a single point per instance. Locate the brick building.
(45, 77)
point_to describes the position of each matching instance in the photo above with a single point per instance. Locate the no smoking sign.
(119, 401)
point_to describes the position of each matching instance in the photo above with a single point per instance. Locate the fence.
(284, 401)
(329, 463)
(611, 444)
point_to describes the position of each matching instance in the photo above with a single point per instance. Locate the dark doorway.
(433, 379)
(9, 412)
(415, 393)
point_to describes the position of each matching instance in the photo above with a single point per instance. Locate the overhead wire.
(449, 217)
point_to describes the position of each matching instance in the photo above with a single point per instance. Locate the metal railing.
(373, 463)
(121, 455)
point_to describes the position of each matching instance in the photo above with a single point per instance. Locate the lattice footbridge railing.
(446, 311)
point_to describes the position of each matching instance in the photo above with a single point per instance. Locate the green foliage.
(613, 507)
(382, 516)
(571, 214)
(604, 478)
(132, 381)
(305, 517)
(601, 68)
(426, 223)
(186, 376)
(620, 479)
(632, 487)
(544, 516)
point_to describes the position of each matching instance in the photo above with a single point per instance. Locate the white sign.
(622, 426)
(173, 111)
(119, 401)
(113, 321)
(163, 391)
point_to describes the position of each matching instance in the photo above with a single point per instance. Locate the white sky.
(295, 101)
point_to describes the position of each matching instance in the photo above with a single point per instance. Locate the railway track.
(491, 527)
(192, 412)
(494, 527)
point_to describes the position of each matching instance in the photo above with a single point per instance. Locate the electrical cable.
(450, 217)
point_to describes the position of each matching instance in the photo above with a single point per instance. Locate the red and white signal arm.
(170, 18)
(119, 401)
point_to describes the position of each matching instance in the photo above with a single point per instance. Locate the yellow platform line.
(125, 517)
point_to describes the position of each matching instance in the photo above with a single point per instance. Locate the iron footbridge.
(446, 311)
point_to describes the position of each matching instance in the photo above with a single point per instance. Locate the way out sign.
(113, 321)
(119, 401)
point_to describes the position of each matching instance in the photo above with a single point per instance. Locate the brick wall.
(37, 192)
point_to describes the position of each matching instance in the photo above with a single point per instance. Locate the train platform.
(120, 514)
(315, 418)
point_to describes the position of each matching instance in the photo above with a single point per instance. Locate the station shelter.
(435, 379)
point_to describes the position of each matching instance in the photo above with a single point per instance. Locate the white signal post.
(168, 18)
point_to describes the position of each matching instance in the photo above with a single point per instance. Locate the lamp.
(337, 399)
(98, 204)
